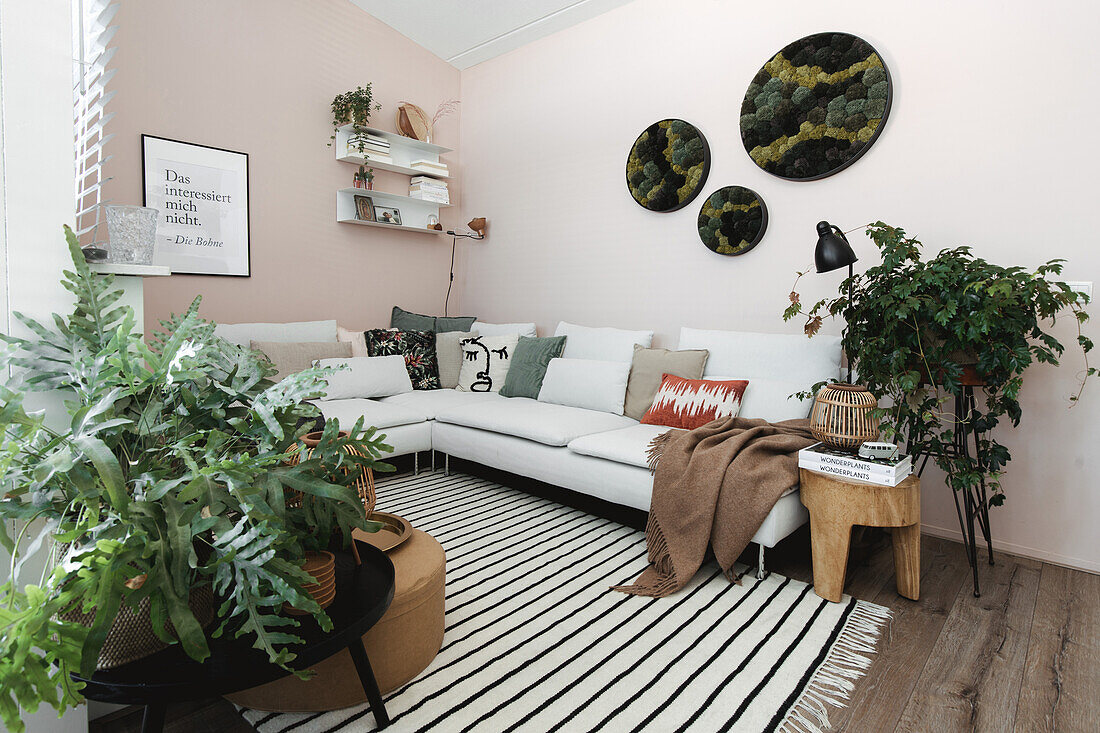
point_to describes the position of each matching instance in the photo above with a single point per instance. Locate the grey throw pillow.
(529, 364)
(403, 320)
(448, 352)
(649, 366)
(291, 357)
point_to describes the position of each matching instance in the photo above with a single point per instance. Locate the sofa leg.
(760, 573)
(416, 463)
(433, 460)
(446, 464)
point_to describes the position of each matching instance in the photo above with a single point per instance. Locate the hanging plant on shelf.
(353, 108)
(918, 330)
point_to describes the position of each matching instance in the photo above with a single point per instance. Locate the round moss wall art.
(733, 220)
(815, 107)
(668, 165)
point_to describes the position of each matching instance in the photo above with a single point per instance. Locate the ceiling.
(467, 32)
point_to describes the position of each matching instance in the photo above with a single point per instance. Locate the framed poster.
(201, 194)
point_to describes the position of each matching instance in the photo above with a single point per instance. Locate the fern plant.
(169, 475)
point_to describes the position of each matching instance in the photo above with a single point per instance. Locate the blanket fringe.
(832, 683)
(656, 448)
(659, 580)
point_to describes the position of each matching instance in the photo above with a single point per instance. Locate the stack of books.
(429, 189)
(430, 167)
(833, 462)
(375, 147)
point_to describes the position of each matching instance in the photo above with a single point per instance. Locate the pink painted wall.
(975, 152)
(259, 77)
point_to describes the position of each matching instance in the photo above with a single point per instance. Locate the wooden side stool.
(836, 504)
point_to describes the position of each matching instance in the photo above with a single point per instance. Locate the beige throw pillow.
(448, 352)
(356, 338)
(293, 357)
(647, 369)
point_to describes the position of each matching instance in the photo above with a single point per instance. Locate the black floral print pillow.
(418, 348)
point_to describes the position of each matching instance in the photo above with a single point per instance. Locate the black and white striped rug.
(536, 641)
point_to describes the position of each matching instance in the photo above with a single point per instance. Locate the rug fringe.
(833, 682)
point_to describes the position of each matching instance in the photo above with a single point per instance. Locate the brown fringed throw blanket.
(714, 485)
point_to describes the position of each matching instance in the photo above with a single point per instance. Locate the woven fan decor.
(815, 107)
(841, 416)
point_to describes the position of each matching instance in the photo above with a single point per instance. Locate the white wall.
(987, 144)
(36, 173)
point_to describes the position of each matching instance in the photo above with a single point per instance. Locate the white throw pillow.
(504, 329)
(485, 362)
(778, 356)
(357, 340)
(366, 377)
(587, 383)
(601, 344)
(768, 399)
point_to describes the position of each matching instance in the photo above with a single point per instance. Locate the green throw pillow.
(403, 320)
(529, 362)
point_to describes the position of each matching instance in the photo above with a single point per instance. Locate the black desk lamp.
(477, 227)
(833, 252)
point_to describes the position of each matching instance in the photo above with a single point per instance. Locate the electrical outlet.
(1081, 286)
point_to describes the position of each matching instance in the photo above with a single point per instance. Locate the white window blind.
(92, 51)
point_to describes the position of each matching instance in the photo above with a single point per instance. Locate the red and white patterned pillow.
(689, 403)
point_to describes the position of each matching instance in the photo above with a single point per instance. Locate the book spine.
(428, 166)
(812, 459)
(427, 181)
(858, 475)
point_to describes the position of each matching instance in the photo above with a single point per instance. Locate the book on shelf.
(820, 455)
(429, 165)
(428, 197)
(371, 146)
(372, 157)
(427, 181)
(431, 191)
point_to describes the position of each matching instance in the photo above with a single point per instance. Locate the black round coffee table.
(363, 593)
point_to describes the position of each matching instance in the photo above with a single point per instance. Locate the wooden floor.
(1025, 656)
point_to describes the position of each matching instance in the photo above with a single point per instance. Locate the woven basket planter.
(364, 484)
(841, 416)
(131, 636)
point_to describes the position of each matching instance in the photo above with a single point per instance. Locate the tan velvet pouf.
(400, 645)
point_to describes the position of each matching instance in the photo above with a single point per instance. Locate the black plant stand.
(974, 505)
(363, 594)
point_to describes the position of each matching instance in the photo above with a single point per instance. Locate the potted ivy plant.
(167, 479)
(354, 108)
(919, 329)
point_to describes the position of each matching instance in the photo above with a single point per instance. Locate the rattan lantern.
(364, 484)
(842, 416)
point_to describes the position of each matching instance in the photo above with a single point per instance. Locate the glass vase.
(132, 232)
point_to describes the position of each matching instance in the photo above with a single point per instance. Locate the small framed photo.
(364, 208)
(388, 215)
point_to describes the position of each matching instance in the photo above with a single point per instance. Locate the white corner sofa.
(594, 453)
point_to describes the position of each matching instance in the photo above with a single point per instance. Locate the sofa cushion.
(485, 362)
(784, 357)
(529, 362)
(404, 320)
(692, 403)
(649, 367)
(626, 445)
(448, 352)
(376, 414)
(418, 349)
(504, 329)
(604, 344)
(586, 383)
(292, 357)
(366, 376)
(430, 402)
(242, 333)
(542, 422)
(768, 399)
(356, 338)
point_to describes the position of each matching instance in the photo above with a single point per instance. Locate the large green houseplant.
(169, 476)
(917, 327)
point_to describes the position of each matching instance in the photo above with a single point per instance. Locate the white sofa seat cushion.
(374, 413)
(431, 402)
(542, 422)
(628, 445)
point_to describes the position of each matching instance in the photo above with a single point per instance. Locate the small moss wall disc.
(733, 220)
(815, 107)
(668, 165)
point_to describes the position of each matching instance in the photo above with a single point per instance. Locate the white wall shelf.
(112, 268)
(403, 151)
(414, 212)
(402, 227)
(392, 199)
